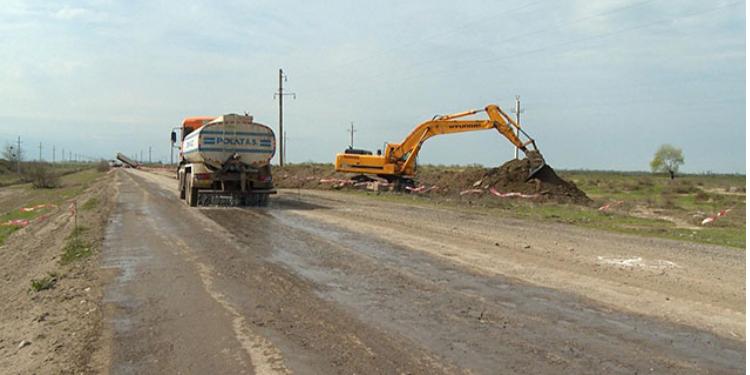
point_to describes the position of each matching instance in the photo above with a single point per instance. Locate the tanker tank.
(230, 135)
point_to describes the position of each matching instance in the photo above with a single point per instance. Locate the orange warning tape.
(713, 218)
(610, 205)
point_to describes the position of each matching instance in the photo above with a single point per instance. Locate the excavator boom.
(398, 160)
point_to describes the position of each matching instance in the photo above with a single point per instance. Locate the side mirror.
(174, 136)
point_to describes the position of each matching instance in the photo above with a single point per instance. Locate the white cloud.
(68, 13)
(145, 65)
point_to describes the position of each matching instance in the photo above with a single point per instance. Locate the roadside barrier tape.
(610, 205)
(37, 207)
(496, 193)
(713, 218)
(471, 191)
(417, 189)
(422, 189)
(16, 223)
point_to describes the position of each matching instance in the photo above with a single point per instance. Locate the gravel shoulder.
(54, 330)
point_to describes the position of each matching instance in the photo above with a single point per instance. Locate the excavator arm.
(409, 148)
(399, 159)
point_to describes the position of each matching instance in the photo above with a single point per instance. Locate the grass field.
(9, 176)
(13, 198)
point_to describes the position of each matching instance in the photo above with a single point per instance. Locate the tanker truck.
(225, 161)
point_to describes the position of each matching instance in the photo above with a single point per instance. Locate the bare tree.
(11, 153)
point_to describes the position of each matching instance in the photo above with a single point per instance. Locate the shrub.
(47, 282)
(90, 204)
(76, 247)
(41, 176)
(667, 201)
(102, 166)
(681, 187)
(701, 196)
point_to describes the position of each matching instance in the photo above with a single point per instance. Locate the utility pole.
(40, 151)
(280, 94)
(18, 156)
(53, 154)
(518, 112)
(351, 134)
(285, 143)
(149, 154)
(140, 159)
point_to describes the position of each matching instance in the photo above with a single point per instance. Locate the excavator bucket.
(538, 171)
(537, 165)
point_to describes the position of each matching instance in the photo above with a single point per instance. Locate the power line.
(453, 68)
(524, 35)
(466, 25)
(18, 156)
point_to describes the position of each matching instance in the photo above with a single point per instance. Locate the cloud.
(68, 13)
(578, 65)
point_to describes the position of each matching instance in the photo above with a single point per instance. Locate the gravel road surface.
(325, 282)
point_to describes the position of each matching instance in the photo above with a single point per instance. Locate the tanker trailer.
(225, 161)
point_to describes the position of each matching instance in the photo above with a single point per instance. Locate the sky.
(602, 83)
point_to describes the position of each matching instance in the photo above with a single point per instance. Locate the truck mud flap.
(225, 199)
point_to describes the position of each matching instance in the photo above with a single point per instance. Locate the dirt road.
(334, 283)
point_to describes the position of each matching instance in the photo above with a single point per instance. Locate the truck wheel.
(192, 193)
(263, 200)
(181, 187)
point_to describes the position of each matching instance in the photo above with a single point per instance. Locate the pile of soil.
(447, 182)
(513, 176)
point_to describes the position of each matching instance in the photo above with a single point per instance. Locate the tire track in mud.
(312, 335)
(265, 357)
(477, 322)
(154, 254)
(336, 301)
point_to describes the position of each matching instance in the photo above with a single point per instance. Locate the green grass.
(727, 231)
(26, 196)
(90, 204)
(646, 197)
(7, 230)
(76, 247)
(47, 282)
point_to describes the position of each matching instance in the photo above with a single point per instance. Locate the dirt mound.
(513, 177)
(448, 181)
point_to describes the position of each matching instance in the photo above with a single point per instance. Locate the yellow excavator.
(397, 163)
